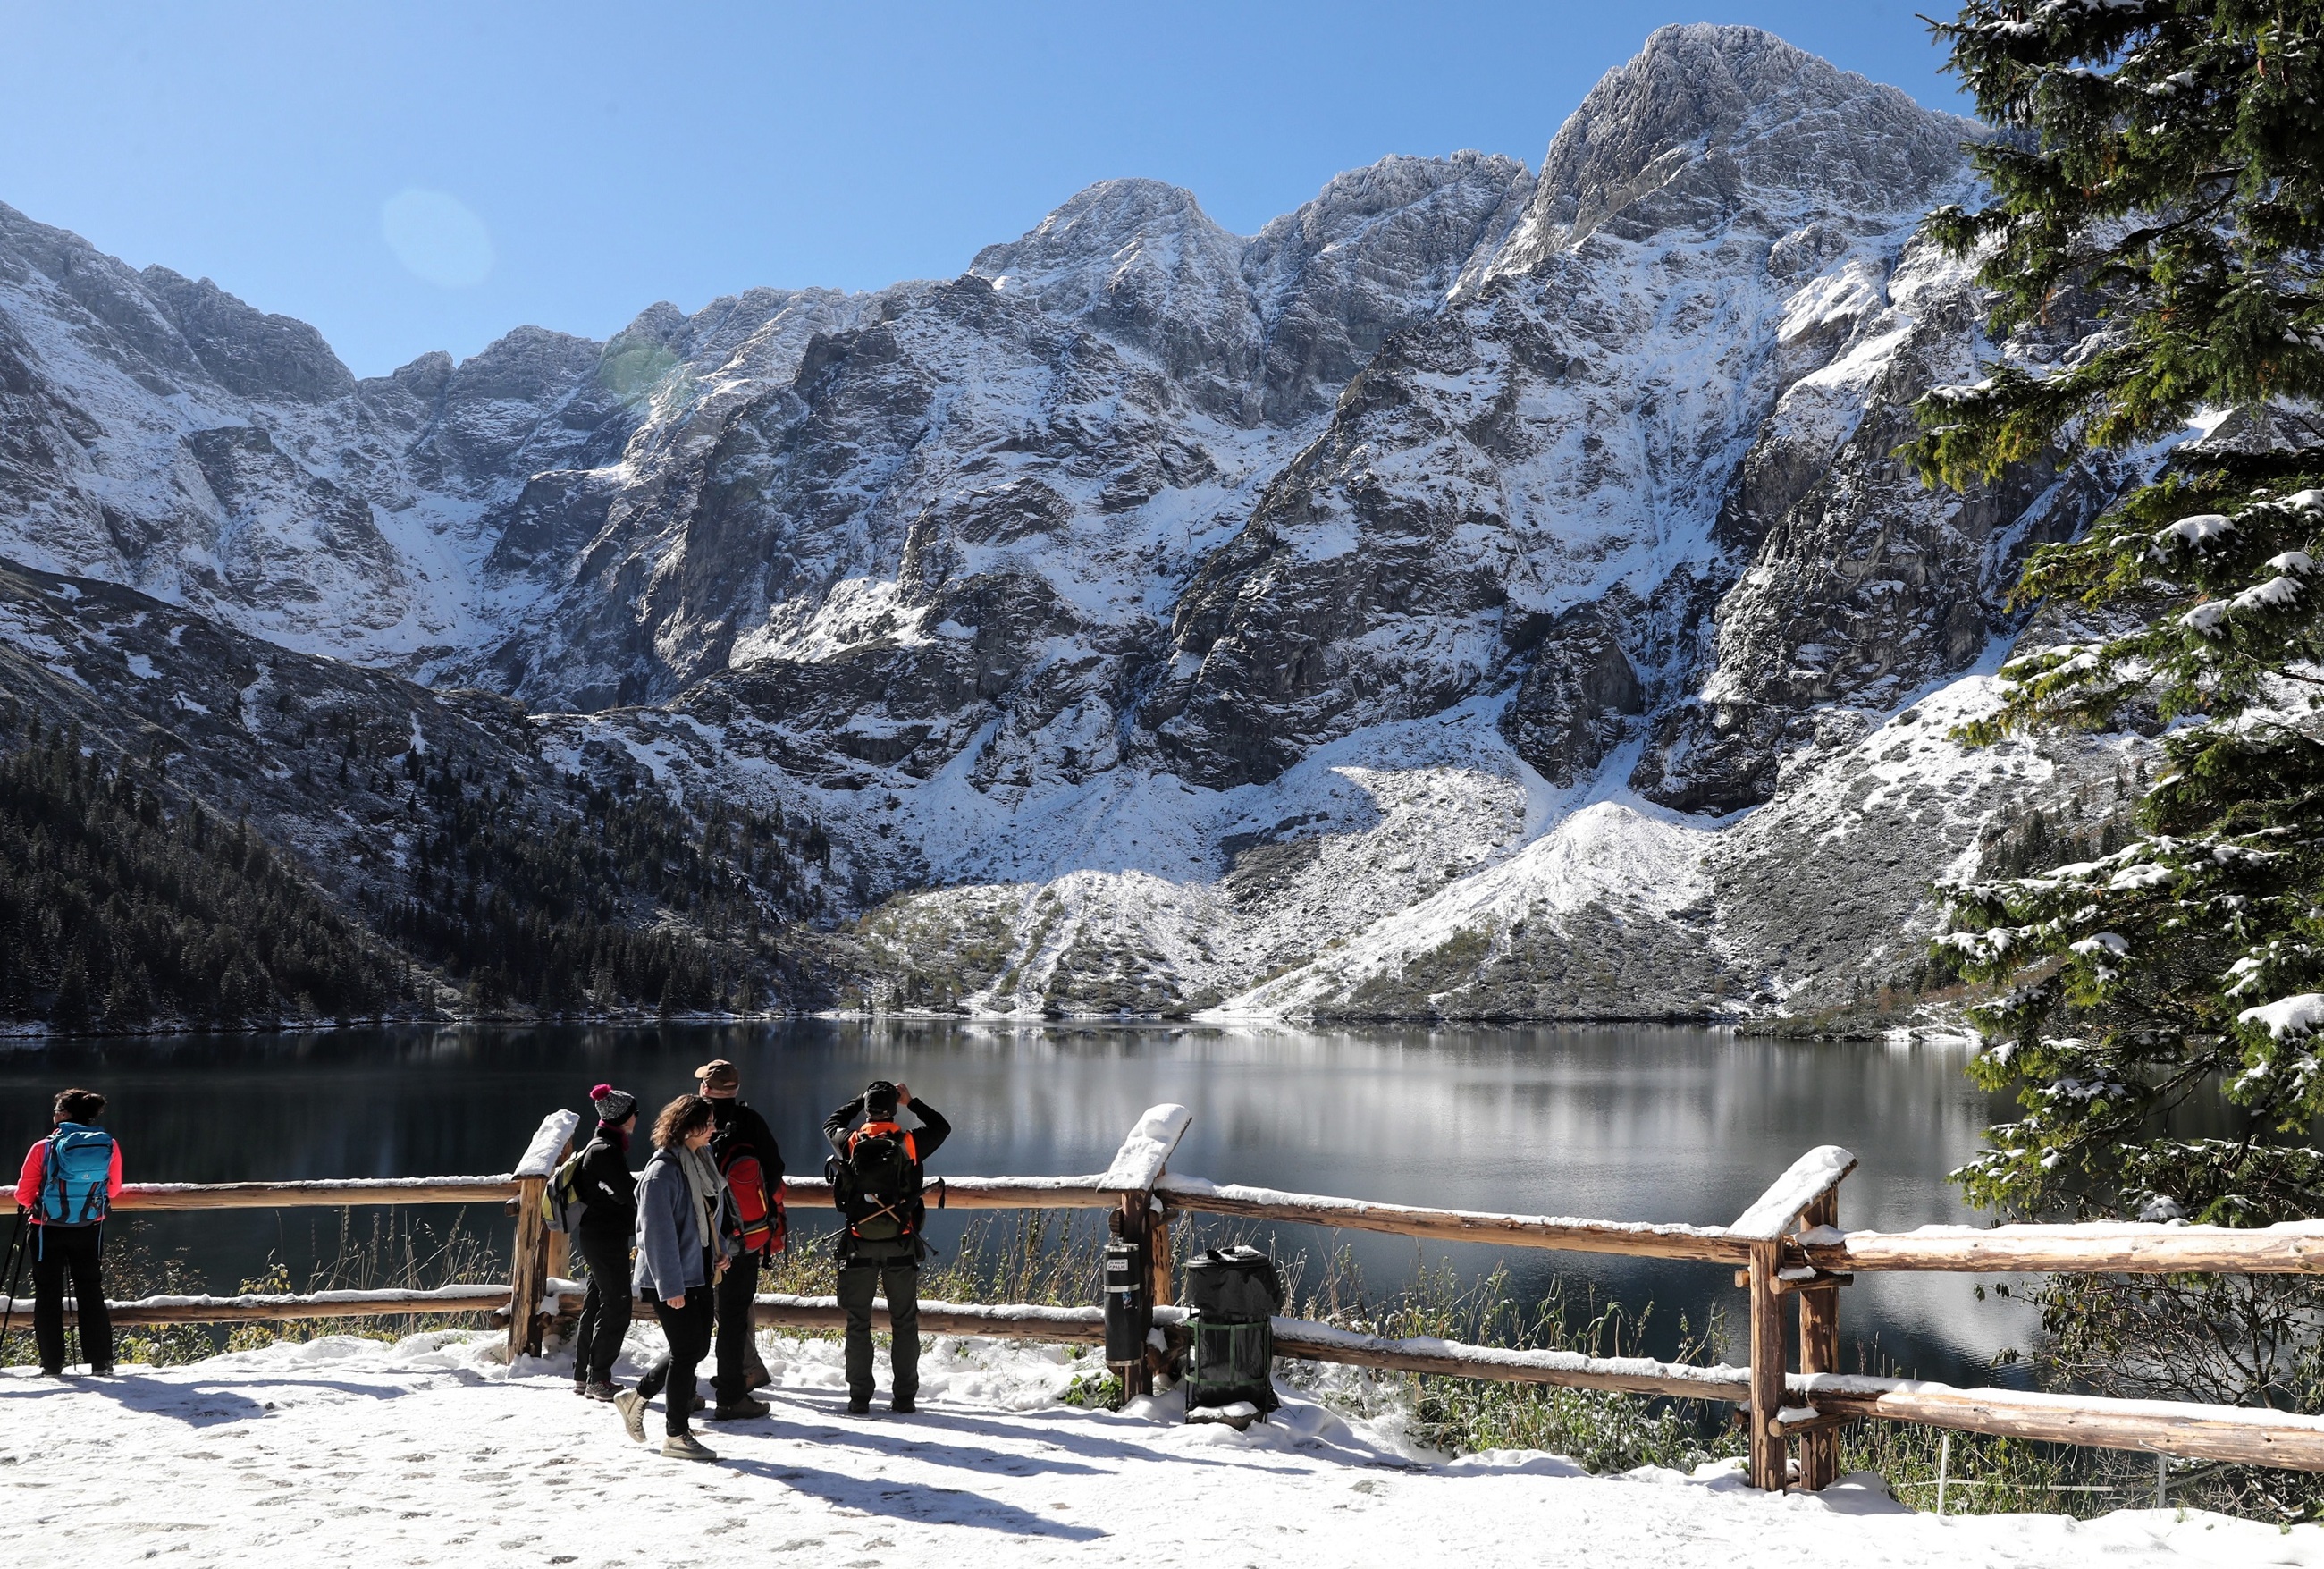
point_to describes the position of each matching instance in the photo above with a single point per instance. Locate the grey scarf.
(704, 1178)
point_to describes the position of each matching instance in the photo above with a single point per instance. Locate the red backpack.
(758, 1206)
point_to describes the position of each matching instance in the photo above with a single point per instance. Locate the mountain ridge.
(1154, 610)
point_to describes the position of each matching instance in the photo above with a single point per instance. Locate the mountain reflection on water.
(1617, 1122)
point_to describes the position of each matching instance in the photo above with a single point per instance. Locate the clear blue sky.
(569, 164)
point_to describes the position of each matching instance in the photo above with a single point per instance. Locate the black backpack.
(876, 1187)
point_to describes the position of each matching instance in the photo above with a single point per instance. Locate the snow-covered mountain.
(1388, 613)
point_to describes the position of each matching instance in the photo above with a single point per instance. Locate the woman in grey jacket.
(686, 1232)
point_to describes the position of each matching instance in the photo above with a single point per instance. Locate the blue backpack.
(75, 1176)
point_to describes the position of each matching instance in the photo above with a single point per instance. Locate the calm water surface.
(1624, 1123)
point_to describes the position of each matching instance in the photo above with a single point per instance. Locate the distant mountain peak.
(1098, 225)
(1706, 117)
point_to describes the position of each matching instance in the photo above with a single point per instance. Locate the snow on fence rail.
(1712, 1244)
(331, 1193)
(261, 1307)
(1788, 1248)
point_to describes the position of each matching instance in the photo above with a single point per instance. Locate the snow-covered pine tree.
(2161, 162)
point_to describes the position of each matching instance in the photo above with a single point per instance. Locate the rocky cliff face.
(1150, 610)
(1535, 477)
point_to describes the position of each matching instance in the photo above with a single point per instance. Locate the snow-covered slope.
(348, 1450)
(159, 432)
(1160, 618)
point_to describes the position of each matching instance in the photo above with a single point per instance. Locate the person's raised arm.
(934, 1130)
(835, 1127)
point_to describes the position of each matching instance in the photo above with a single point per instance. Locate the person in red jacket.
(59, 1192)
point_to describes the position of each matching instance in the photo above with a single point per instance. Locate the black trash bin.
(1231, 1294)
(1125, 1294)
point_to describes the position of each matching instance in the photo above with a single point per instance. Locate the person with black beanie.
(608, 1219)
(876, 1184)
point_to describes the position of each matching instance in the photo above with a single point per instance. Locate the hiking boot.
(902, 1406)
(632, 1408)
(756, 1377)
(104, 1372)
(859, 1405)
(600, 1390)
(581, 1386)
(743, 1409)
(685, 1446)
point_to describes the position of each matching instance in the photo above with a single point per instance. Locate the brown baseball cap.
(718, 1074)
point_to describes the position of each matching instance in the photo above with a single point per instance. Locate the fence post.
(1820, 1352)
(529, 1259)
(1137, 1167)
(1764, 1225)
(1770, 1454)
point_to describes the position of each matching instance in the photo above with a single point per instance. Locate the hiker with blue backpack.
(876, 1184)
(602, 1208)
(66, 1190)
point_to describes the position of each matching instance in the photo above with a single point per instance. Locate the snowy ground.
(345, 1451)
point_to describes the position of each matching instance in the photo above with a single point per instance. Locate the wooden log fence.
(268, 1308)
(1788, 1252)
(144, 1197)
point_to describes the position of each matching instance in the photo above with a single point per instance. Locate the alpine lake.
(1618, 1122)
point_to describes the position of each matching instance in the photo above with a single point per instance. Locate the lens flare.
(436, 238)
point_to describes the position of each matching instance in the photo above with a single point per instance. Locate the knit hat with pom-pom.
(612, 1105)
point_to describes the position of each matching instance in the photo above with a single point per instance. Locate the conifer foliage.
(482, 884)
(2160, 163)
(115, 911)
(2164, 159)
(561, 899)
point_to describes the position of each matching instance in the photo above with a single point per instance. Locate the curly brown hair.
(683, 1116)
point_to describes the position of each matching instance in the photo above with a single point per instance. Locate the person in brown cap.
(745, 1152)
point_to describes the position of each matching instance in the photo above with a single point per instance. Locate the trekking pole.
(14, 1271)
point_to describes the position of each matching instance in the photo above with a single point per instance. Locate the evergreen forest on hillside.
(114, 909)
(124, 905)
(526, 903)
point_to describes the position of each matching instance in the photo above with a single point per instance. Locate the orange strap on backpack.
(880, 1130)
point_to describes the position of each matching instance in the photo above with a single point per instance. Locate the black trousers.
(734, 1291)
(898, 1281)
(57, 1252)
(687, 1330)
(605, 1311)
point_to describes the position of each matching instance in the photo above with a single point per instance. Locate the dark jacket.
(607, 1187)
(740, 1127)
(932, 1132)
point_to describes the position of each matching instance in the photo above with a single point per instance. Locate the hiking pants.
(606, 1312)
(897, 1280)
(736, 1353)
(687, 1329)
(57, 1251)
